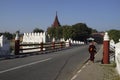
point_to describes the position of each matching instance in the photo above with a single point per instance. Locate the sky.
(26, 15)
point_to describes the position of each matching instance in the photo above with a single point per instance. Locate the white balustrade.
(4, 46)
(117, 56)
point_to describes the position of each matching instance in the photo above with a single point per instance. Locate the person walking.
(92, 51)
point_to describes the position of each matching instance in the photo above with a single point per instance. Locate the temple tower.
(56, 22)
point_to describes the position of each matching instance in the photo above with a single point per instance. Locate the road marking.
(18, 67)
(79, 71)
(74, 77)
(84, 66)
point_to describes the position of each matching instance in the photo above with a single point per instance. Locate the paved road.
(60, 65)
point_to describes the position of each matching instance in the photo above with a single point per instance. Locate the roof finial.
(56, 13)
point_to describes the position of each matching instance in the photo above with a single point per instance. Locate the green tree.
(51, 31)
(58, 32)
(114, 34)
(94, 31)
(81, 31)
(37, 30)
(8, 35)
(67, 32)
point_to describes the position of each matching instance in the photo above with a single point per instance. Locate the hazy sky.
(25, 15)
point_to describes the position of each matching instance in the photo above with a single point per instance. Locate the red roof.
(56, 22)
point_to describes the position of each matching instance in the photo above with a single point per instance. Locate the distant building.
(98, 37)
(56, 22)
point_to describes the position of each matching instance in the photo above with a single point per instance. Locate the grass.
(110, 72)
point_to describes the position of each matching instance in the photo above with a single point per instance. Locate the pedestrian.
(92, 51)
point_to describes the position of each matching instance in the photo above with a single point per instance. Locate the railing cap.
(17, 36)
(106, 37)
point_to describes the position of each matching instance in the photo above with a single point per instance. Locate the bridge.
(60, 65)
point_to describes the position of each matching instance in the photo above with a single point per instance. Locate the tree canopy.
(114, 34)
(36, 30)
(8, 35)
(79, 31)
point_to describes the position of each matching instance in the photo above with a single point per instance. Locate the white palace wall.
(34, 38)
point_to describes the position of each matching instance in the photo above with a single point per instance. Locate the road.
(61, 65)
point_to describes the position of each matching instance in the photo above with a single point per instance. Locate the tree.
(51, 31)
(81, 31)
(8, 35)
(37, 30)
(94, 31)
(56, 32)
(67, 32)
(114, 34)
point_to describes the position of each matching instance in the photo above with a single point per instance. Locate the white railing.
(4, 46)
(116, 49)
(112, 45)
(117, 56)
(73, 42)
(31, 38)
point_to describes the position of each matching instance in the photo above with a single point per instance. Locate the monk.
(92, 51)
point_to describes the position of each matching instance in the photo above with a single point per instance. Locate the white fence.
(117, 56)
(116, 48)
(4, 46)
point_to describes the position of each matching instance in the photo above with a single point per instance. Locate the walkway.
(96, 70)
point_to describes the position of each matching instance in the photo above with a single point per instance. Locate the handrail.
(23, 47)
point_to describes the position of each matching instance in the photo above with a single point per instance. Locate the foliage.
(79, 31)
(114, 34)
(59, 32)
(8, 35)
(51, 31)
(55, 32)
(94, 31)
(67, 32)
(36, 30)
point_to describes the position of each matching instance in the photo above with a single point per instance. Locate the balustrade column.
(106, 49)
(61, 44)
(41, 46)
(17, 44)
(53, 43)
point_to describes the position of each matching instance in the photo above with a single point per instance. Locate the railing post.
(41, 46)
(106, 49)
(69, 43)
(53, 43)
(17, 44)
(61, 44)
